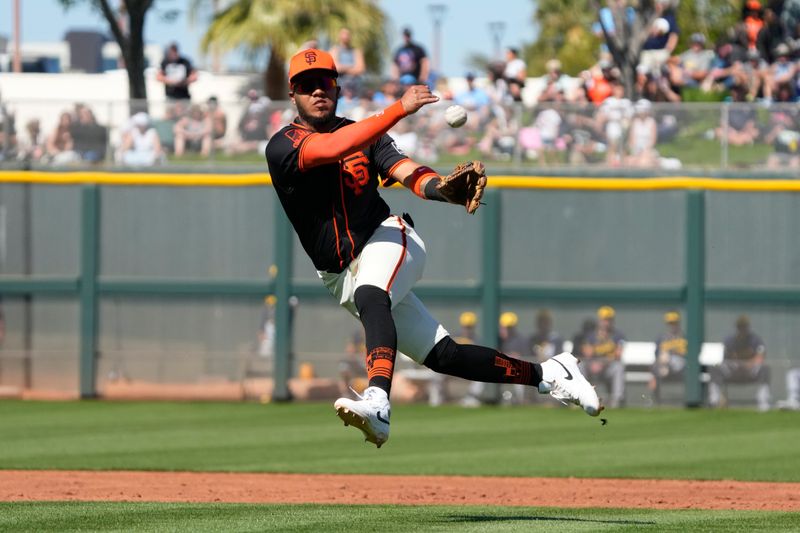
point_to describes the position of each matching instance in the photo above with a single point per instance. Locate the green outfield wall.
(163, 276)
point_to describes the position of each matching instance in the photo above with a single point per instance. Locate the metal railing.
(617, 137)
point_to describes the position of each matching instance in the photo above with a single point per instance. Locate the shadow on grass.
(524, 518)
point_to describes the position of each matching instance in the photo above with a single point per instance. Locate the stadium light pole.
(17, 29)
(438, 12)
(497, 28)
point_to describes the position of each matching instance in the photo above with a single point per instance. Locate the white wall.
(45, 96)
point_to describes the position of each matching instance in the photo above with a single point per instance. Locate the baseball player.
(670, 354)
(326, 171)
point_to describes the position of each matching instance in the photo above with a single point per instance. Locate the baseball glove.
(464, 186)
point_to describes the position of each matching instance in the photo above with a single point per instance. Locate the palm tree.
(282, 25)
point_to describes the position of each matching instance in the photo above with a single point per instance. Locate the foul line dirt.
(30, 485)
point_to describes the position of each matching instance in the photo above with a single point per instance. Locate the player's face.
(315, 96)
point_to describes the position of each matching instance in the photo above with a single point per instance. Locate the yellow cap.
(271, 299)
(508, 319)
(606, 312)
(672, 316)
(467, 319)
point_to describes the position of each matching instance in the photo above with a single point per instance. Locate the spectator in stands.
(642, 136)
(60, 145)
(193, 132)
(670, 355)
(792, 401)
(544, 137)
(614, 116)
(219, 123)
(751, 25)
(141, 146)
(597, 82)
(410, 65)
(742, 127)
(545, 342)
(474, 98)
(783, 71)
(784, 136)
(165, 127)
(720, 75)
(388, 93)
(33, 148)
(8, 134)
(696, 61)
(349, 60)
(657, 88)
(90, 138)
(515, 73)
(603, 352)
(754, 75)
(743, 362)
(253, 127)
(176, 73)
(555, 82)
(584, 134)
(663, 37)
(771, 35)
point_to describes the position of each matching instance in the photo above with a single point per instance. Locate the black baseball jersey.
(334, 208)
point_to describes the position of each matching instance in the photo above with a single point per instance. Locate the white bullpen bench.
(639, 357)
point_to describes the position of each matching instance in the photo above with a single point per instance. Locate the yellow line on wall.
(114, 178)
(511, 182)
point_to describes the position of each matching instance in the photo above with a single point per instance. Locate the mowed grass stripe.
(146, 517)
(527, 441)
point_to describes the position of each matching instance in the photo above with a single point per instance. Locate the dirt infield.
(26, 485)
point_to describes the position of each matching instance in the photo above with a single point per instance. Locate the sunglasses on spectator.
(309, 85)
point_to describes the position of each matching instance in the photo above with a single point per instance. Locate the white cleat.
(370, 413)
(562, 378)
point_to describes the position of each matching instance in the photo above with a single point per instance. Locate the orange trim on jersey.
(336, 231)
(303, 144)
(346, 221)
(326, 148)
(402, 254)
(389, 179)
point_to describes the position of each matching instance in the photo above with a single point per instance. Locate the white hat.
(661, 25)
(643, 105)
(140, 119)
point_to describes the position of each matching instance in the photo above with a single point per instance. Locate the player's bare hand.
(417, 96)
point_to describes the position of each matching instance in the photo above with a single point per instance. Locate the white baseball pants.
(393, 260)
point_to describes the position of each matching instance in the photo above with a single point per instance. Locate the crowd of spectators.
(755, 62)
(581, 120)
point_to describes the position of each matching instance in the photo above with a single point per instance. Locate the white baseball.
(456, 116)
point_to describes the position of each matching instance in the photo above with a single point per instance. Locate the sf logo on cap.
(311, 57)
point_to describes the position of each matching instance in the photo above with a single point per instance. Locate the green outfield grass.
(328, 518)
(526, 441)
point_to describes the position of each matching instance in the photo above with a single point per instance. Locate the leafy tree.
(565, 34)
(131, 43)
(566, 31)
(712, 18)
(282, 25)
